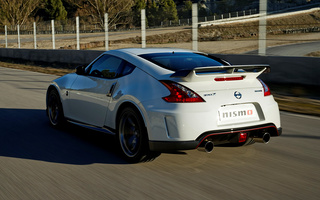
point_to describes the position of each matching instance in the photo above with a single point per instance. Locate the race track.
(40, 162)
(298, 49)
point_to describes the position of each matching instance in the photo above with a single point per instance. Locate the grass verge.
(42, 69)
(314, 54)
(299, 105)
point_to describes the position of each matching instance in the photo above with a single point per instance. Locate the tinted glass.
(105, 67)
(127, 69)
(181, 61)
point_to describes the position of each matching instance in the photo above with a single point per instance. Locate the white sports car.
(163, 99)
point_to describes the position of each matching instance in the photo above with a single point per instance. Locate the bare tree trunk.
(16, 12)
(118, 10)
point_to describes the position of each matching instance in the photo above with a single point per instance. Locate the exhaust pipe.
(265, 138)
(206, 146)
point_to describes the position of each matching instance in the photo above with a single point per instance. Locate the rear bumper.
(218, 137)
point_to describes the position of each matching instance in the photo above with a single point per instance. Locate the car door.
(90, 94)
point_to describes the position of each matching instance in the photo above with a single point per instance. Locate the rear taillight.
(180, 93)
(242, 137)
(266, 89)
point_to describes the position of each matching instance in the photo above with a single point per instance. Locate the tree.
(136, 10)
(53, 9)
(203, 11)
(16, 12)
(74, 6)
(152, 10)
(222, 7)
(167, 10)
(118, 11)
(185, 11)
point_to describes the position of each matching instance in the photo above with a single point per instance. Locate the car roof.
(133, 56)
(140, 51)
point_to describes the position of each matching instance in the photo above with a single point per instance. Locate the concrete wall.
(73, 57)
(288, 70)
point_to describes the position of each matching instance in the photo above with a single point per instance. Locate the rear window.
(181, 61)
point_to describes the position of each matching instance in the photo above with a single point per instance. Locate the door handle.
(109, 94)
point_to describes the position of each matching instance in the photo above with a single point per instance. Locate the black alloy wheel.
(54, 109)
(132, 137)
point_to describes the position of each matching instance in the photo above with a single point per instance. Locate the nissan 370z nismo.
(162, 99)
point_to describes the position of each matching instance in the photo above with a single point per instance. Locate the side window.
(105, 67)
(127, 69)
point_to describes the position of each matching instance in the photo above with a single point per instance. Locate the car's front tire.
(54, 109)
(133, 137)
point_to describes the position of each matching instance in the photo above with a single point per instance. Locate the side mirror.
(80, 70)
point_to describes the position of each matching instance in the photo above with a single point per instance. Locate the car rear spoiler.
(221, 71)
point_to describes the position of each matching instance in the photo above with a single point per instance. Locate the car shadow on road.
(27, 134)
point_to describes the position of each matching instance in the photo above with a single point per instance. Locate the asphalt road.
(40, 162)
(299, 49)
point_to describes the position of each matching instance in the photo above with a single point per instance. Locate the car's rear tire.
(54, 109)
(133, 137)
